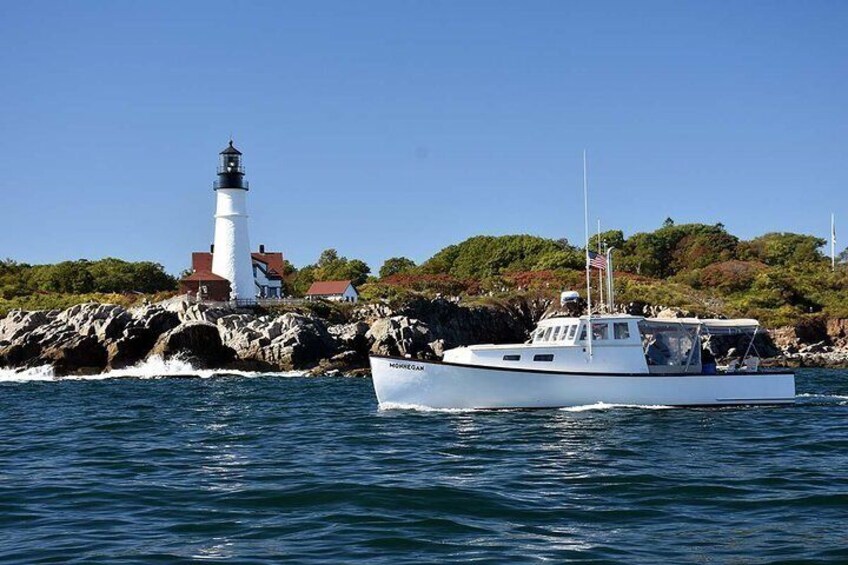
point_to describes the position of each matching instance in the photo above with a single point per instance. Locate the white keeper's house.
(337, 291)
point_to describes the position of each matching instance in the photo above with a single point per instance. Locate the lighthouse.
(231, 257)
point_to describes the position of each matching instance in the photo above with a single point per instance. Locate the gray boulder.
(140, 335)
(400, 336)
(286, 342)
(105, 321)
(196, 342)
(351, 336)
(75, 353)
(18, 323)
(201, 313)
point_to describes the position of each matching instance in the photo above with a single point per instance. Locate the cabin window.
(621, 330)
(547, 334)
(512, 357)
(555, 335)
(571, 331)
(543, 357)
(583, 333)
(599, 331)
(537, 335)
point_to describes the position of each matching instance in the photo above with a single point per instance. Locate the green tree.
(395, 266)
(328, 257)
(675, 248)
(609, 238)
(784, 249)
(483, 257)
(302, 279)
(68, 276)
(330, 266)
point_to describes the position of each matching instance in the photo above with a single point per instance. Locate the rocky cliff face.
(96, 337)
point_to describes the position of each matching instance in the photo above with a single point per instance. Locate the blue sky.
(396, 128)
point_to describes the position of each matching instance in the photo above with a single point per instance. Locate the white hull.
(408, 382)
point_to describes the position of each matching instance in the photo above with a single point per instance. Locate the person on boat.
(657, 352)
(708, 362)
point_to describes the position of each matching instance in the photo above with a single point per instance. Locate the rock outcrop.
(195, 341)
(286, 342)
(400, 336)
(139, 336)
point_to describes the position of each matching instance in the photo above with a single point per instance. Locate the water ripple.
(134, 467)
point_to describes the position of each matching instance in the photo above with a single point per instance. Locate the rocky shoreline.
(93, 338)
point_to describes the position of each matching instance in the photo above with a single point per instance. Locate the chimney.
(212, 248)
(261, 249)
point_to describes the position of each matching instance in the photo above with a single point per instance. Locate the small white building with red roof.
(337, 291)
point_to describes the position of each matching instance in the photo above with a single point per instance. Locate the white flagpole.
(610, 285)
(588, 271)
(600, 272)
(832, 242)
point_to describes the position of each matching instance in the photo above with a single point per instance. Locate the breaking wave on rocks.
(152, 368)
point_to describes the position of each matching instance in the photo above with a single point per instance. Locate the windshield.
(670, 343)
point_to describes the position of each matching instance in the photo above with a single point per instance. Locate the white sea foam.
(421, 408)
(583, 408)
(605, 406)
(834, 396)
(152, 368)
(34, 374)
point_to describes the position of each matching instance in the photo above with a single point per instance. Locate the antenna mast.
(588, 270)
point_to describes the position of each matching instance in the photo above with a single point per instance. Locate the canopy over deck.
(708, 326)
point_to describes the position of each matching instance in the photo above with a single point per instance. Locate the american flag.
(597, 260)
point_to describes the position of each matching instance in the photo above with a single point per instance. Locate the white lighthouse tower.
(231, 254)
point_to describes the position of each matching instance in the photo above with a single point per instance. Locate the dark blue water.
(307, 470)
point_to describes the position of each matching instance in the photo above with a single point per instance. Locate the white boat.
(625, 360)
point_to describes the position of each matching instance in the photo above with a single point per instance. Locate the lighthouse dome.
(230, 150)
(230, 169)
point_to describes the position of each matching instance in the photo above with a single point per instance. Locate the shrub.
(730, 276)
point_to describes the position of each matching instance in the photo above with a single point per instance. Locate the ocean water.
(143, 466)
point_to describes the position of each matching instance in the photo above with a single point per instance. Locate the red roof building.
(341, 291)
(206, 285)
(268, 273)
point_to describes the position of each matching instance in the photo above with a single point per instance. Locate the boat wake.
(153, 368)
(421, 408)
(823, 399)
(582, 408)
(605, 406)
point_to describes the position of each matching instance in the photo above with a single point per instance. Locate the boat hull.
(413, 383)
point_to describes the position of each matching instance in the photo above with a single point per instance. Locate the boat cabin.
(618, 344)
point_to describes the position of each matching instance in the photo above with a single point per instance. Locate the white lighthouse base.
(231, 258)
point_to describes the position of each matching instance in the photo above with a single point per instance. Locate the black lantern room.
(230, 169)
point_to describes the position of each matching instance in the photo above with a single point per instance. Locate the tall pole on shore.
(588, 266)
